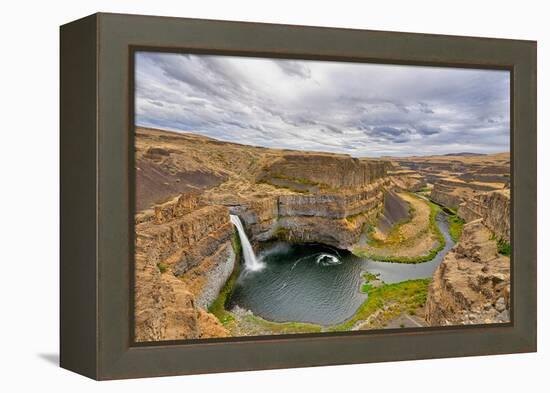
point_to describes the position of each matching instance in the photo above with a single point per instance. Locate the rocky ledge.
(493, 208)
(332, 218)
(472, 284)
(183, 257)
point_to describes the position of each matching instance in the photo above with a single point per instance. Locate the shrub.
(504, 247)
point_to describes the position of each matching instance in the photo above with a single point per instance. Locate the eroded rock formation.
(493, 208)
(333, 218)
(472, 284)
(183, 257)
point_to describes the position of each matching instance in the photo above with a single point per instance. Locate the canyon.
(472, 284)
(188, 253)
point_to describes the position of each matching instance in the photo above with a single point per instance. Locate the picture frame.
(96, 263)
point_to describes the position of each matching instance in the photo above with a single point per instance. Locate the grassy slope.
(406, 295)
(434, 209)
(455, 227)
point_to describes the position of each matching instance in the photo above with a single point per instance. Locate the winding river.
(319, 284)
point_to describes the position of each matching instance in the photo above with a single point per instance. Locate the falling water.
(250, 260)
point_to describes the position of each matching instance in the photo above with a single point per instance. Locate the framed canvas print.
(240, 196)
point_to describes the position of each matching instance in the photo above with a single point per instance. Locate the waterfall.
(250, 260)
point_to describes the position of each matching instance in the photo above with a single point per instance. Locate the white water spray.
(250, 260)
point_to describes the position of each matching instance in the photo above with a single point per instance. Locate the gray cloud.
(294, 68)
(360, 109)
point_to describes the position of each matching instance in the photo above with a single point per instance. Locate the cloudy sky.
(359, 109)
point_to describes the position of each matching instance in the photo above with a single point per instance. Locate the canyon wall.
(445, 195)
(395, 210)
(472, 284)
(328, 170)
(318, 198)
(495, 210)
(183, 257)
(329, 218)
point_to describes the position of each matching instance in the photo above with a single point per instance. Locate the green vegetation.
(455, 227)
(369, 228)
(449, 210)
(281, 233)
(367, 285)
(370, 276)
(284, 327)
(218, 306)
(162, 267)
(434, 209)
(504, 247)
(404, 296)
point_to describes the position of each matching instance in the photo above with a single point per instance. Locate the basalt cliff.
(472, 284)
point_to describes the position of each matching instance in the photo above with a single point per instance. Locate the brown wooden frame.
(97, 195)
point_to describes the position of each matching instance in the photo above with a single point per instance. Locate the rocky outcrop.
(395, 210)
(166, 310)
(493, 208)
(451, 193)
(472, 284)
(183, 257)
(324, 217)
(259, 215)
(326, 170)
(334, 206)
(445, 195)
(183, 242)
(406, 180)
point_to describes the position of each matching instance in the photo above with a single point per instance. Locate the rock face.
(166, 310)
(445, 195)
(176, 238)
(493, 208)
(331, 197)
(406, 180)
(328, 170)
(472, 284)
(324, 217)
(395, 210)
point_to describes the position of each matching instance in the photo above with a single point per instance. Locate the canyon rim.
(279, 196)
